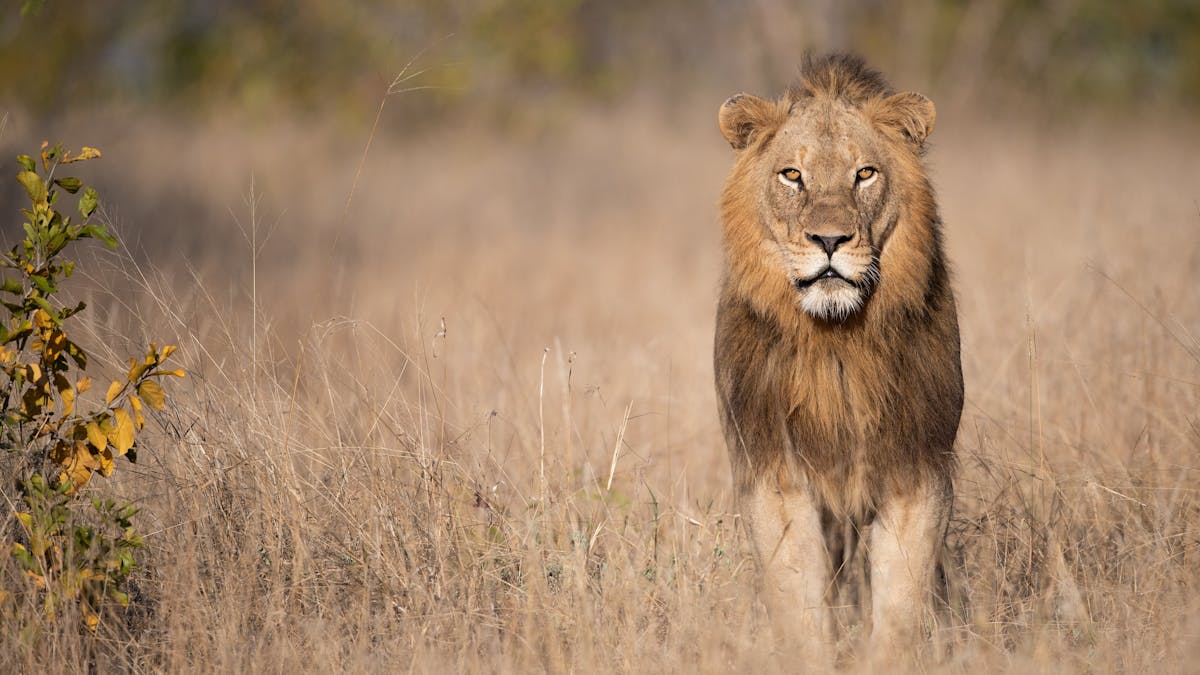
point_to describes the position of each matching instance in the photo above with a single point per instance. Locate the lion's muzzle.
(829, 273)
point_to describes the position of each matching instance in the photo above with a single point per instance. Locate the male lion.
(837, 349)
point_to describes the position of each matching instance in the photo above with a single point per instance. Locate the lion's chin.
(832, 299)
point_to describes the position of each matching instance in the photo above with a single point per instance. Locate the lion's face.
(826, 174)
(825, 185)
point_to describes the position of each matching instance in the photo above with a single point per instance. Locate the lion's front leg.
(785, 527)
(904, 541)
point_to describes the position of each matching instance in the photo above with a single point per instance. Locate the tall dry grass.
(471, 427)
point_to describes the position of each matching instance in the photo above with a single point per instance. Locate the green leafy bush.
(71, 556)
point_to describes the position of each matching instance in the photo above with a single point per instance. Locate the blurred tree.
(317, 55)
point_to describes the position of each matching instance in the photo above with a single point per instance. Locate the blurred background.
(503, 58)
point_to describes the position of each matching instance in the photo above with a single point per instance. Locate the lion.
(836, 352)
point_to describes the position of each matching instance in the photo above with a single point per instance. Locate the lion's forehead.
(826, 139)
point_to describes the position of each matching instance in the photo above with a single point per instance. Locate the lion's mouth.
(829, 273)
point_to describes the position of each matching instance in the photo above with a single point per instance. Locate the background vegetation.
(448, 401)
(310, 55)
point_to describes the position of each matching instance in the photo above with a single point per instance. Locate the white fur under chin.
(831, 304)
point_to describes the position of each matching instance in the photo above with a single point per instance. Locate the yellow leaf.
(41, 319)
(84, 455)
(136, 370)
(176, 373)
(96, 437)
(123, 435)
(32, 403)
(106, 463)
(77, 462)
(77, 475)
(91, 620)
(26, 520)
(153, 393)
(83, 384)
(167, 350)
(67, 392)
(135, 401)
(55, 343)
(62, 453)
(85, 154)
(114, 390)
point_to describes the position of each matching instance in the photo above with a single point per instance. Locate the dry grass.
(474, 429)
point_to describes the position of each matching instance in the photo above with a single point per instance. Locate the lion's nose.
(830, 243)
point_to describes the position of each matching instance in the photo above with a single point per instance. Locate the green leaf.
(71, 311)
(71, 185)
(52, 155)
(44, 304)
(42, 283)
(34, 185)
(23, 331)
(57, 242)
(26, 162)
(99, 232)
(87, 205)
(12, 286)
(31, 7)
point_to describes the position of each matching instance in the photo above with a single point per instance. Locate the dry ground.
(468, 424)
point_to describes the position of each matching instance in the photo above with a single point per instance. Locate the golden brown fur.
(847, 389)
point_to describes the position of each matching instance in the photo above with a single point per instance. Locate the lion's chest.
(838, 421)
(836, 399)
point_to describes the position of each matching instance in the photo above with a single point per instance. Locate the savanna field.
(452, 410)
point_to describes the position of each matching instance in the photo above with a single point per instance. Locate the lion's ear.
(910, 113)
(743, 116)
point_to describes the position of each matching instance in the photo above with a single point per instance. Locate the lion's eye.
(866, 173)
(790, 177)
